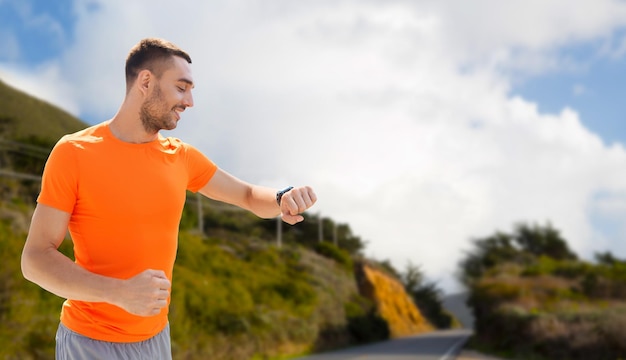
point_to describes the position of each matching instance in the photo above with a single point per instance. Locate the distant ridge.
(457, 305)
(26, 118)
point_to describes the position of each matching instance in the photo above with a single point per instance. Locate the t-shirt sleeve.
(59, 182)
(200, 168)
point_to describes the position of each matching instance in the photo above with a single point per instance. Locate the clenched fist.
(295, 202)
(144, 294)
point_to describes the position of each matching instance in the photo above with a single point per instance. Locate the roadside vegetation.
(428, 297)
(534, 298)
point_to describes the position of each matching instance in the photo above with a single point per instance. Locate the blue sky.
(596, 91)
(421, 124)
(42, 28)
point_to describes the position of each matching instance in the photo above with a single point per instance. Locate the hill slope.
(29, 128)
(26, 117)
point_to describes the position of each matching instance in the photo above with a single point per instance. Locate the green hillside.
(29, 127)
(23, 117)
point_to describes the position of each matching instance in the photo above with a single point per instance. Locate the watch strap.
(279, 194)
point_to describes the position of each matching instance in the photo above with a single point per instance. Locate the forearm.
(144, 294)
(58, 274)
(259, 200)
(262, 202)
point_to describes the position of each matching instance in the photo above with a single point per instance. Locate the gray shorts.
(73, 346)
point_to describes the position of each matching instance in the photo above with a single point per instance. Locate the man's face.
(170, 96)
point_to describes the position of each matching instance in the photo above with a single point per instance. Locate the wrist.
(111, 290)
(280, 193)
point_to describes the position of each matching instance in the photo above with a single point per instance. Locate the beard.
(155, 115)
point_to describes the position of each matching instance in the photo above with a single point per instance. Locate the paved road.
(440, 345)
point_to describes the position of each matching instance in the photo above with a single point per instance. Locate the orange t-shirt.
(125, 202)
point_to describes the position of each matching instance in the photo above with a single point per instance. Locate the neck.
(126, 126)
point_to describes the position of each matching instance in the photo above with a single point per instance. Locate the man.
(120, 187)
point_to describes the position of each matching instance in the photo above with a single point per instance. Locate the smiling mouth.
(178, 111)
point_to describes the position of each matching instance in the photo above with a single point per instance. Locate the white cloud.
(511, 33)
(398, 113)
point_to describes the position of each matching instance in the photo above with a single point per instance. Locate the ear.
(143, 81)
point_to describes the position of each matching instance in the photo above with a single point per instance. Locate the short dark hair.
(151, 54)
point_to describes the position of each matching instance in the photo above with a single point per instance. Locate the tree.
(545, 241)
(607, 258)
(488, 253)
(426, 296)
(522, 246)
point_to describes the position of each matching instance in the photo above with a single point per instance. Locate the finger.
(157, 273)
(300, 206)
(162, 295)
(292, 219)
(149, 311)
(291, 207)
(157, 282)
(163, 284)
(308, 201)
(161, 303)
(312, 195)
(305, 198)
(155, 311)
(157, 304)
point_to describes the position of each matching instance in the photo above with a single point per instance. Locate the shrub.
(363, 322)
(333, 252)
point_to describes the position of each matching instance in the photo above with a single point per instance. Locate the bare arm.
(259, 200)
(144, 294)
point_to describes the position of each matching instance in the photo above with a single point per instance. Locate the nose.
(188, 100)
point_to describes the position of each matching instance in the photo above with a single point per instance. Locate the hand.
(145, 294)
(295, 202)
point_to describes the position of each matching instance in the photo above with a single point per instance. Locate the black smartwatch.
(279, 194)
